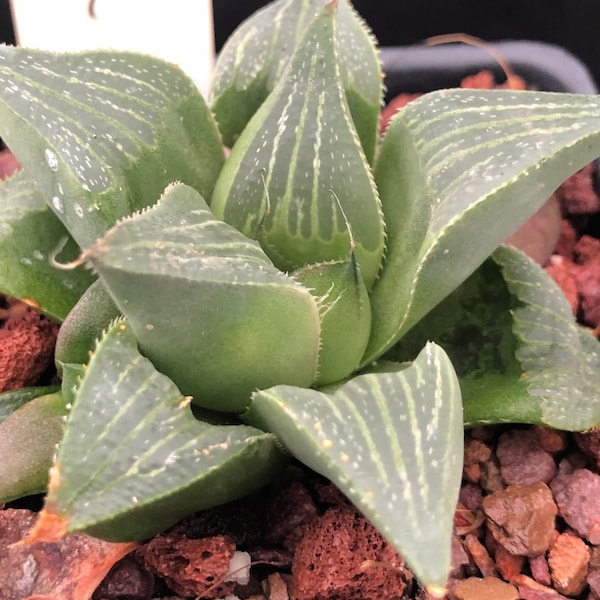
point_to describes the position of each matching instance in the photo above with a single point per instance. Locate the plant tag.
(181, 33)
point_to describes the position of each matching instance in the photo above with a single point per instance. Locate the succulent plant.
(308, 291)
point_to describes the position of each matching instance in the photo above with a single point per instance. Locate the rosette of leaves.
(284, 296)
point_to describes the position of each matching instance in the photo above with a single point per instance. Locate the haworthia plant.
(281, 286)
(251, 64)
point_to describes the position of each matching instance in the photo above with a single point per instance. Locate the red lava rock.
(192, 567)
(509, 565)
(27, 349)
(291, 510)
(578, 499)
(588, 286)
(587, 248)
(521, 518)
(330, 494)
(522, 459)
(392, 107)
(460, 558)
(568, 560)
(14, 525)
(484, 80)
(343, 557)
(589, 442)
(577, 195)
(540, 570)
(491, 478)
(126, 581)
(475, 453)
(594, 558)
(530, 589)
(69, 569)
(470, 496)
(551, 440)
(476, 588)
(593, 580)
(480, 556)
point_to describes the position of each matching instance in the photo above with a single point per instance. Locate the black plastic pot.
(571, 25)
(419, 69)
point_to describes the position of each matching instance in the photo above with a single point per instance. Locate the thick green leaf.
(29, 234)
(345, 314)
(84, 326)
(519, 354)
(134, 459)
(10, 401)
(560, 361)
(297, 178)
(478, 164)
(392, 442)
(206, 304)
(102, 133)
(28, 439)
(252, 60)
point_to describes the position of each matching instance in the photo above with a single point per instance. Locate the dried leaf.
(70, 569)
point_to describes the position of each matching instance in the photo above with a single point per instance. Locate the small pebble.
(522, 458)
(521, 518)
(568, 560)
(540, 570)
(477, 588)
(589, 442)
(509, 565)
(532, 590)
(578, 499)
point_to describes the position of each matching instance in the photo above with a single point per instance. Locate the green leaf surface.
(343, 300)
(10, 401)
(134, 460)
(206, 304)
(560, 361)
(28, 439)
(103, 132)
(252, 60)
(479, 163)
(84, 325)
(29, 234)
(297, 178)
(392, 442)
(518, 352)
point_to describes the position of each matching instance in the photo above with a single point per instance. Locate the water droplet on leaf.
(51, 159)
(57, 203)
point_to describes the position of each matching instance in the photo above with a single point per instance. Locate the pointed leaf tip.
(392, 441)
(436, 591)
(50, 527)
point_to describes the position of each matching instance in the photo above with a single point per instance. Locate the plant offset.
(286, 295)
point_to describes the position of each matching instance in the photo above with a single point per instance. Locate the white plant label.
(180, 31)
